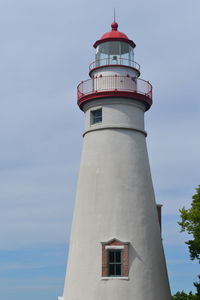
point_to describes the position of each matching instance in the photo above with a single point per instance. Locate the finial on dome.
(114, 25)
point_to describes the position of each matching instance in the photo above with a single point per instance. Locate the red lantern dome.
(114, 35)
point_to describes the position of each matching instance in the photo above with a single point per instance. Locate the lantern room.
(114, 48)
(114, 52)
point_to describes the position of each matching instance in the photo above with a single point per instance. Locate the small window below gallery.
(96, 116)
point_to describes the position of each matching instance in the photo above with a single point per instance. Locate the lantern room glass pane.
(114, 52)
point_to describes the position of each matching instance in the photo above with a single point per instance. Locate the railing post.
(115, 81)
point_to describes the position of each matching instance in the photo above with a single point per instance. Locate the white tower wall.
(115, 199)
(113, 71)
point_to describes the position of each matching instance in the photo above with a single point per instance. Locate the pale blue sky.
(46, 48)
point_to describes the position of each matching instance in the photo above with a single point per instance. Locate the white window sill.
(96, 123)
(114, 247)
(115, 277)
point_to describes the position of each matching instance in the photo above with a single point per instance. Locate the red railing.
(114, 83)
(116, 61)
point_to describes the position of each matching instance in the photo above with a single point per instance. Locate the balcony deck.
(115, 86)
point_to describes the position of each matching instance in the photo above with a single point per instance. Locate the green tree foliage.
(197, 286)
(190, 222)
(183, 296)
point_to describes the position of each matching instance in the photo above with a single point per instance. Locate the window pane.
(96, 116)
(118, 270)
(118, 256)
(111, 256)
(114, 262)
(111, 270)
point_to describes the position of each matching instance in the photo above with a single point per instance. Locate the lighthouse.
(116, 250)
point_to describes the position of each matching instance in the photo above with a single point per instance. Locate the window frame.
(115, 244)
(96, 119)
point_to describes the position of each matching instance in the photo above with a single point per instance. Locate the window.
(115, 259)
(114, 262)
(96, 116)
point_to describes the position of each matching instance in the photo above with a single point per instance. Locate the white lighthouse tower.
(116, 250)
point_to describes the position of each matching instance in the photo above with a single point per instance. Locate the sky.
(46, 48)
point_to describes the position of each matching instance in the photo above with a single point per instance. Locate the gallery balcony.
(115, 86)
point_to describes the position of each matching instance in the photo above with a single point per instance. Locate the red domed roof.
(114, 35)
